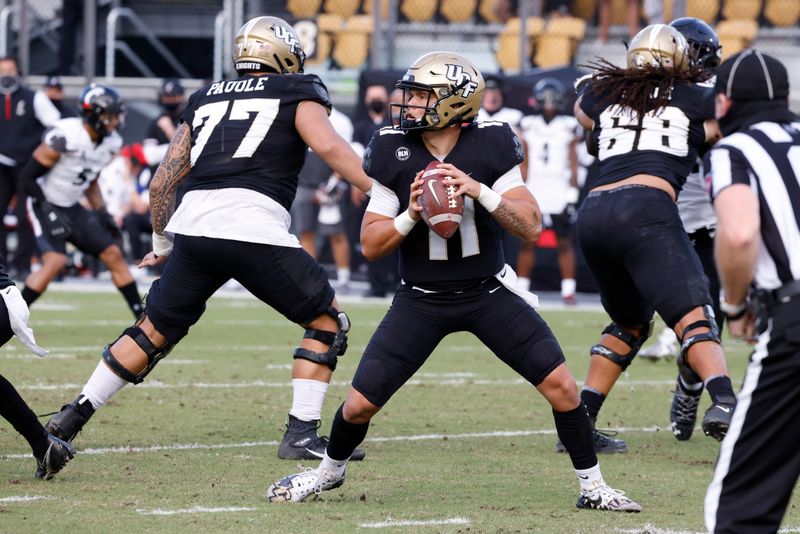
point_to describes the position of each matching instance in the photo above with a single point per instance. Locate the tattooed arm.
(170, 172)
(516, 210)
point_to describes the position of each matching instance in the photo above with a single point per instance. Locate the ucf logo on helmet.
(456, 74)
(283, 33)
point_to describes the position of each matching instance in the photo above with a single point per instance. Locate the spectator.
(25, 115)
(55, 92)
(136, 223)
(492, 108)
(172, 99)
(604, 16)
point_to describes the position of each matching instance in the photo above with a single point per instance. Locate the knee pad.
(635, 343)
(336, 341)
(154, 355)
(711, 335)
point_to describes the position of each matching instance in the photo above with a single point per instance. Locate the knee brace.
(154, 355)
(336, 341)
(711, 335)
(635, 343)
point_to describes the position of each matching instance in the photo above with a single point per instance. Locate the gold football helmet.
(658, 45)
(268, 42)
(456, 91)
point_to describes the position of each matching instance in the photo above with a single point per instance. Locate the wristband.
(403, 223)
(732, 311)
(162, 245)
(489, 198)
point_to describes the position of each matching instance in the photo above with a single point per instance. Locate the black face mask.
(746, 113)
(376, 106)
(8, 83)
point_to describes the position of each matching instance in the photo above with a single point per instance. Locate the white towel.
(18, 315)
(508, 278)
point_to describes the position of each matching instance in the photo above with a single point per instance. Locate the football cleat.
(718, 418)
(301, 442)
(300, 486)
(683, 412)
(570, 300)
(70, 419)
(666, 346)
(606, 498)
(56, 456)
(604, 443)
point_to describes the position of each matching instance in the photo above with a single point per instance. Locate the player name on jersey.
(237, 86)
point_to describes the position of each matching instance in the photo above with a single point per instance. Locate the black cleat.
(718, 418)
(604, 443)
(301, 442)
(683, 412)
(56, 456)
(69, 421)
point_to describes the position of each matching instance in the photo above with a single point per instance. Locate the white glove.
(18, 314)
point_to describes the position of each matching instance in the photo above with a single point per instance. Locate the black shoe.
(604, 443)
(683, 413)
(69, 421)
(301, 442)
(718, 417)
(56, 456)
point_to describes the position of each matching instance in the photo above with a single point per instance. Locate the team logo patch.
(284, 34)
(456, 74)
(402, 153)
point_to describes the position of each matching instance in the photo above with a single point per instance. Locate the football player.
(552, 178)
(236, 154)
(648, 122)
(51, 453)
(458, 284)
(62, 172)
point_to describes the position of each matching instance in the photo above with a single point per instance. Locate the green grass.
(460, 470)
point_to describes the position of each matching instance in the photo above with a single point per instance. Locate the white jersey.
(80, 163)
(510, 115)
(549, 168)
(694, 203)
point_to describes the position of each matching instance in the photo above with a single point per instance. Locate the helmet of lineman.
(268, 43)
(456, 90)
(100, 104)
(658, 45)
(548, 92)
(705, 52)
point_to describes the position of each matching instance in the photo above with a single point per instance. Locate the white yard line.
(391, 523)
(376, 439)
(24, 498)
(195, 510)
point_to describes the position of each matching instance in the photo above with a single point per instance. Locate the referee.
(754, 181)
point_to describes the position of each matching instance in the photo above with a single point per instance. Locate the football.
(441, 213)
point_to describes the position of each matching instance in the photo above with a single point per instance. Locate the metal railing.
(112, 44)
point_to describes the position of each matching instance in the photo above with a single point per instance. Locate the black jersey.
(664, 144)
(485, 151)
(244, 135)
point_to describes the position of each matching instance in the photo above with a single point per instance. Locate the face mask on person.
(376, 106)
(9, 83)
(172, 108)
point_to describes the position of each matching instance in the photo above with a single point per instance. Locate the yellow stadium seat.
(322, 49)
(507, 53)
(571, 27)
(533, 26)
(362, 23)
(458, 10)
(351, 48)
(370, 4)
(330, 23)
(303, 9)
(619, 11)
(736, 35)
(343, 8)
(703, 9)
(553, 50)
(584, 9)
(486, 10)
(741, 9)
(783, 13)
(418, 10)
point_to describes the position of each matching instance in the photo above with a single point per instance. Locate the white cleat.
(607, 498)
(666, 346)
(300, 486)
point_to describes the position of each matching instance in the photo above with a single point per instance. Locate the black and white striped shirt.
(766, 156)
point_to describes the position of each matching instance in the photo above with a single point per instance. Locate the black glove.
(57, 225)
(107, 220)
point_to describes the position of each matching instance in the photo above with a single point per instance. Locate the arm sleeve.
(46, 112)
(725, 166)
(28, 177)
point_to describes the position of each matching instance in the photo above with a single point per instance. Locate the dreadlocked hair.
(640, 89)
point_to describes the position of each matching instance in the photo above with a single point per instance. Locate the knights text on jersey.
(663, 143)
(244, 135)
(485, 151)
(80, 163)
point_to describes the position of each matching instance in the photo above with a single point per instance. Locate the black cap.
(53, 81)
(751, 75)
(171, 87)
(492, 81)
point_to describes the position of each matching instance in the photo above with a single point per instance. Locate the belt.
(783, 294)
(620, 188)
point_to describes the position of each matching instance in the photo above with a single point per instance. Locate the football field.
(466, 447)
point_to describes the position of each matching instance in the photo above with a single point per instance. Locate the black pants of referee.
(759, 460)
